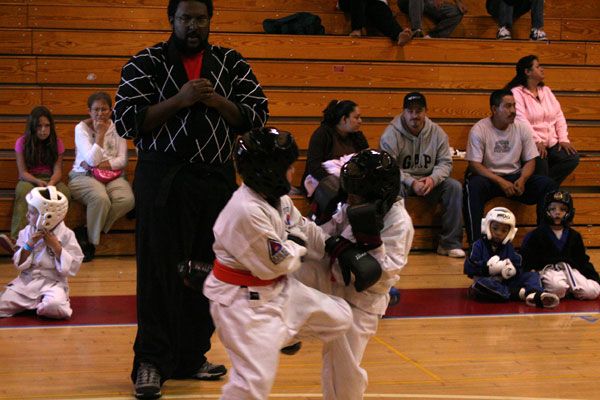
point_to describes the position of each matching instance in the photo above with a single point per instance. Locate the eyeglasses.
(199, 21)
(99, 110)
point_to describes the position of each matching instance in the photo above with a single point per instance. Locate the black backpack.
(302, 23)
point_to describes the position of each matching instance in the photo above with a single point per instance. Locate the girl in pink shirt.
(540, 110)
(39, 154)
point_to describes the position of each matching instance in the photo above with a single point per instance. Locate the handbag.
(106, 175)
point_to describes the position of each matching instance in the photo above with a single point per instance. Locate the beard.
(182, 46)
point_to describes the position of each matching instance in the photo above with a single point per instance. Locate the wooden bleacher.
(49, 55)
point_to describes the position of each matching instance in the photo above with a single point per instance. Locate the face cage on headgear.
(262, 158)
(503, 216)
(373, 175)
(51, 211)
(559, 196)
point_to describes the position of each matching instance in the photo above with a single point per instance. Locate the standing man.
(183, 102)
(501, 154)
(421, 149)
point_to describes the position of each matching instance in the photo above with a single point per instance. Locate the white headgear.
(51, 204)
(502, 215)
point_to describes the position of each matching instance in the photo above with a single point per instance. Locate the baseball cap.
(414, 99)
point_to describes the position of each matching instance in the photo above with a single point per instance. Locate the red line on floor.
(454, 302)
(117, 310)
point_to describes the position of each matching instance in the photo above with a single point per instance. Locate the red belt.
(239, 277)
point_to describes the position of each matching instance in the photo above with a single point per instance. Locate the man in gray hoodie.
(421, 150)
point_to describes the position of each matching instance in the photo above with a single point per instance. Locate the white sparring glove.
(495, 266)
(509, 269)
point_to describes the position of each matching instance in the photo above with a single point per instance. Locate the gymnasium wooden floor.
(521, 354)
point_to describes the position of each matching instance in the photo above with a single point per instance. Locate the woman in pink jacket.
(538, 108)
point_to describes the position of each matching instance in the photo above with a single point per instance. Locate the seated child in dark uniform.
(557, 251)
(495, 266)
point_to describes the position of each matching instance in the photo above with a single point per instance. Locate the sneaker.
(394, 297)
(291, 349)
(537, 34)
(7, 244)
(147, 382)
(456, 253)
(89, 252)
(404, 37)
(503, 33)
(418, 33)
(210, 372)
(542, 300)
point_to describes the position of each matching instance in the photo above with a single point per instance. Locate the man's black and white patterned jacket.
(197, 133)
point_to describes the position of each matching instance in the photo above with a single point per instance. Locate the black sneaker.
(291, 349)
(418, 33)
(210, 372)
(89, 252)
(147, 382)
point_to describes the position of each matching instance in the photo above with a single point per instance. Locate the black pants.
(558, 164)
(446, 16)
(375, 12)
(478, 190)
(176, 207)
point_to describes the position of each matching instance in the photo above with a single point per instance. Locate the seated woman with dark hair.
(540, 110)
(338, 136)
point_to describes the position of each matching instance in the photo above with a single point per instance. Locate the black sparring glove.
(325, 199)
(193, 273)
(367, 222)
(297, 236)
(353, 260)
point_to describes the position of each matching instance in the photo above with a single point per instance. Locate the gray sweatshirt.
(427, 154)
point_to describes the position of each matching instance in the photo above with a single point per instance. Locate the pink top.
(39, 169)
(544, 116)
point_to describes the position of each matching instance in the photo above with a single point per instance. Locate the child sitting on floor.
(557, 251)
(48, 253)
(495, 266)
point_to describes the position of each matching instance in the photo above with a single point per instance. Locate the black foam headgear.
(373, 175)
(559, 196)
(262, 157)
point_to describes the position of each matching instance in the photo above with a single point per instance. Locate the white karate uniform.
(561, 281)
(255, 322)
(42, 283)
(342, 377)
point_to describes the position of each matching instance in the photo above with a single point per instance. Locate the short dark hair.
(173, 4)
(103, 96)
(497, 96)
(335, 110)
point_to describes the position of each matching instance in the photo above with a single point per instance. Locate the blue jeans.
(506, 13)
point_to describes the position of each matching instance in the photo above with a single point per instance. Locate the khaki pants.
(105, 203)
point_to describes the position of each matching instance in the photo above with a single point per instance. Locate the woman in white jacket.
(97, 179)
